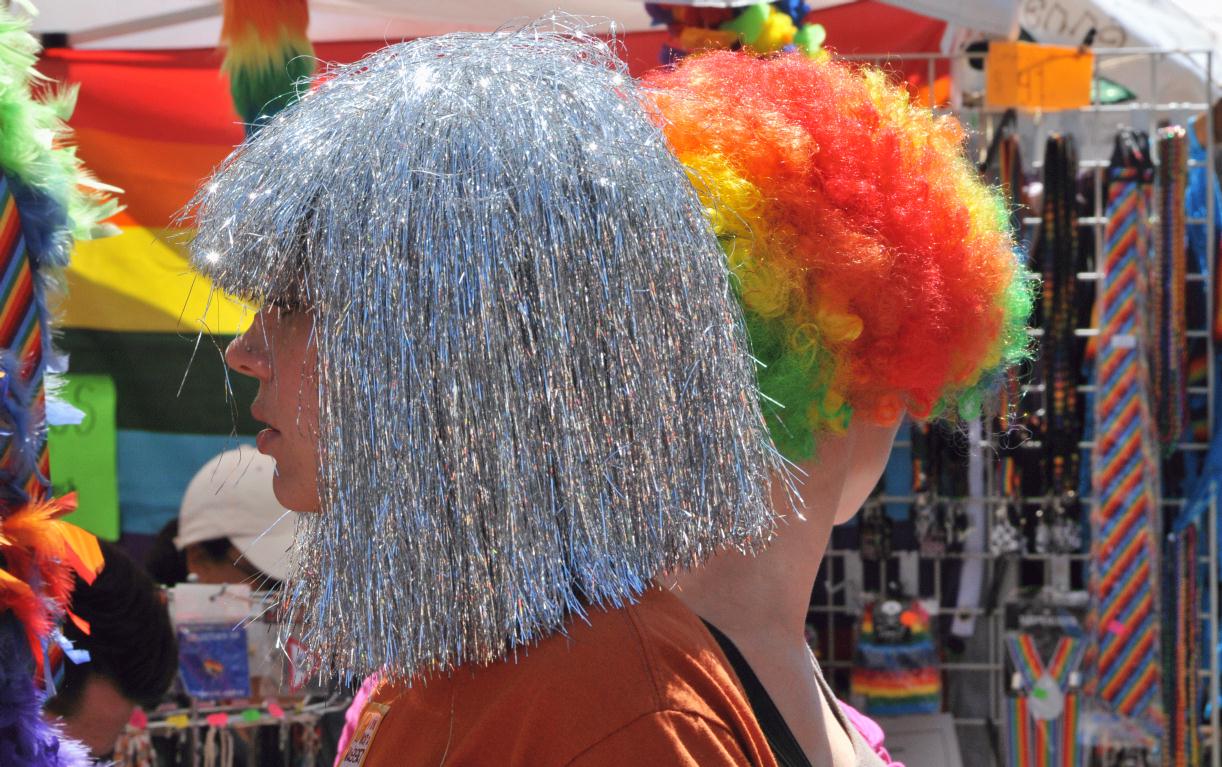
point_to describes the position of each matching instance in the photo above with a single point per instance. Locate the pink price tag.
(219, 719)
(1117, 628)
(139, 720)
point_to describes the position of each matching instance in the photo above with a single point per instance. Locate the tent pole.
(146, 24)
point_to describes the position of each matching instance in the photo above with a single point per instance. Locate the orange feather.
(38, 547)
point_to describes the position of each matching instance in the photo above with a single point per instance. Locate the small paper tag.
(367, 728)
(1124, 341)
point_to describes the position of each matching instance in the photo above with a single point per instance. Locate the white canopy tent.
(172, 24)
(1169, 24)
(161, 24)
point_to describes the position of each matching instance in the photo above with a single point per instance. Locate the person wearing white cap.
(231, 529)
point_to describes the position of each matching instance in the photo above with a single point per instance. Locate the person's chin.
(290, 496)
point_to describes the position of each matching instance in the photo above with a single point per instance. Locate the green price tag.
(84, 457)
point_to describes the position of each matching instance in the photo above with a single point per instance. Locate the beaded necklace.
(1057, 258)
(1182, 741)
(1169, 278)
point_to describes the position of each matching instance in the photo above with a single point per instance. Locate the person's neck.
(763, 598)
(760, 602)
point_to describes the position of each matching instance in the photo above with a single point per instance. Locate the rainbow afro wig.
(877, 272)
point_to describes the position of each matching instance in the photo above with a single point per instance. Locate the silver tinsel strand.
(536, 393)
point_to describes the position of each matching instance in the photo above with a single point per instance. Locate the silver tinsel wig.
(535, 388)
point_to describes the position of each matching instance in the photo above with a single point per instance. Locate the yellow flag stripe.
(140, 281)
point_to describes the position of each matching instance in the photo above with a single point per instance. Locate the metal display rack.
(837, 599)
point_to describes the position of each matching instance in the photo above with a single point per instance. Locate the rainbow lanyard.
(1007, 172)
(1182, 626)
(1125, 672)
(24, 335)
(1038, 740)
(1169, 278)
(1057, 258)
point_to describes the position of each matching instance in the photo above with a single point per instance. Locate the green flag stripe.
(149, 368)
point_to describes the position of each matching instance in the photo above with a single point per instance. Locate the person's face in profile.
(279, 351)
(99, 716)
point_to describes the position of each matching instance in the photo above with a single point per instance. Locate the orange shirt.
(640, 685)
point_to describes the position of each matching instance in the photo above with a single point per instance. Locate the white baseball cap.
(231, 497)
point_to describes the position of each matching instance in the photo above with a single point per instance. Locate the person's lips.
(266, 439)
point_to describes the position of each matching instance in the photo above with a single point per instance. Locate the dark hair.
(217, 549)
(130, 642)
(168, 565)
(164, 561)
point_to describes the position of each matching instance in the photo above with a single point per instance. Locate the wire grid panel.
(841, 589)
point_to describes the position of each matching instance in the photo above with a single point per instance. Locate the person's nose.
(247, 354)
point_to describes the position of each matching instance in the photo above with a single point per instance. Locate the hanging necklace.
(1057, 252)
(1169, 279)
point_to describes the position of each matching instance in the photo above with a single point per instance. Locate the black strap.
(784, 745)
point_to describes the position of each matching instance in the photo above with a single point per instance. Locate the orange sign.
(1037, 77)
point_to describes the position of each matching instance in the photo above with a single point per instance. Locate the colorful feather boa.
(47, 200)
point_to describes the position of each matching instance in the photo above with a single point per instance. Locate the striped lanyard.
(1057, 259)
(1124, 656)
(1169, 279)
(23, 339)
(1182, 660)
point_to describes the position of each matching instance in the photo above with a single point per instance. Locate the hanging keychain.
(227, 747)
(1005, 539)
(927, 512)
(875, 532)
(930, 530)
(197, 746)
(941, 470)
(957, 524)
(1004, 536)
(211, 751)
(1066, 530)
(134, 749)
(311, 743)
(182, 745)
(286, 743)
(1042, 536)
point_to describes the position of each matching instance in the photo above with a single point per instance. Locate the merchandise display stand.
(251, 704)
(847, 583)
